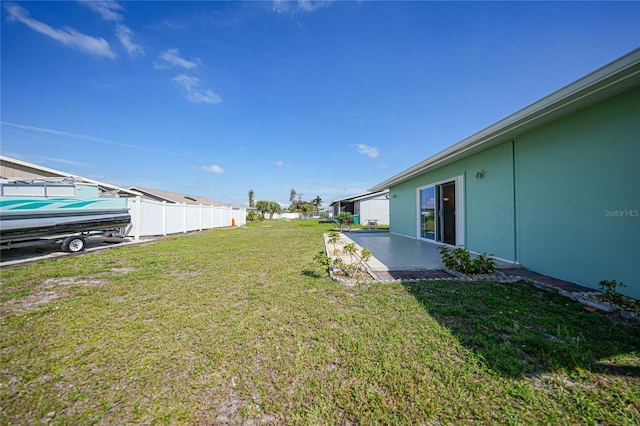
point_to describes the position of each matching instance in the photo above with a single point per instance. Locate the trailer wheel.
(73, 244)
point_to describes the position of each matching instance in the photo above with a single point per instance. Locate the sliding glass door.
(438, 212)
(427, 213)
(447, 213)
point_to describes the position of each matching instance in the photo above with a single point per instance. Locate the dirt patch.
(24, 303)
(121, 271)
(69, 282)
(50, 289)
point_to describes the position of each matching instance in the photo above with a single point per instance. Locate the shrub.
(252, 216)
(343, 218)
(459, 259)
(608, 287)
(322, 260)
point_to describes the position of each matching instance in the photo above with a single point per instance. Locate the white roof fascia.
(371, 195)
(351, 197)
(601, 84)
(355, 197)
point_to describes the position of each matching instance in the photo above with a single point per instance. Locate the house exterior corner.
(561, 198)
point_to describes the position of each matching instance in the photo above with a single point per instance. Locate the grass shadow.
(313, 273)
(519, 330)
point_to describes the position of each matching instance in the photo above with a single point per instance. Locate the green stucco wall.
(489, 211)
(562, 199)
(578, 195)
(402, 209)
(488, 202)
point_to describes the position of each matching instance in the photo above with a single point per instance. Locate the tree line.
(272, 207)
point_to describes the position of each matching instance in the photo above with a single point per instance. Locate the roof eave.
(357, 196)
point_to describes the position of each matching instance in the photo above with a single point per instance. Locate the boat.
(62, 208)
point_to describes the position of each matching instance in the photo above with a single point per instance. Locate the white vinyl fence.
(150, 218)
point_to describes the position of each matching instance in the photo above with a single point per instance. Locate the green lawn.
(235, 325)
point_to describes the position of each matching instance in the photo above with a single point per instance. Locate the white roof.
(359, 197)
(176, 197)
(55, 172)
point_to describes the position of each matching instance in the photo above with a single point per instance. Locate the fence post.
(200, 212)
(164, 218)
(184, 218)
(137, 217)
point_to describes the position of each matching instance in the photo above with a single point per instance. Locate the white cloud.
(370, 151)
(66, 135)
(94, 45)
(213, 169)
(282, 6)
(109, 10)
(173, 59)
(125, 36)
(190, 86)
(192, 90)
(310, 6)
(280, 163)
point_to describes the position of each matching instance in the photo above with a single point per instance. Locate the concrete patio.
(396, 257)
(394, 252)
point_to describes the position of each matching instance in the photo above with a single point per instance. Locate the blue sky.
(328, 98)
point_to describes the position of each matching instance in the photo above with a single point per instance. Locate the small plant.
(608, 287)
(459, 259)
(321, 259)
(351, 269)
(343, 218)
(357, 260)
(365, 254)
(609, 290)
(351, 249)
(333, 238)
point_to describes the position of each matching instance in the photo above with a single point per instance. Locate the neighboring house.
(554, 187)
(12, 168)
(180, 213)
(174, 197)
(370, 206)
